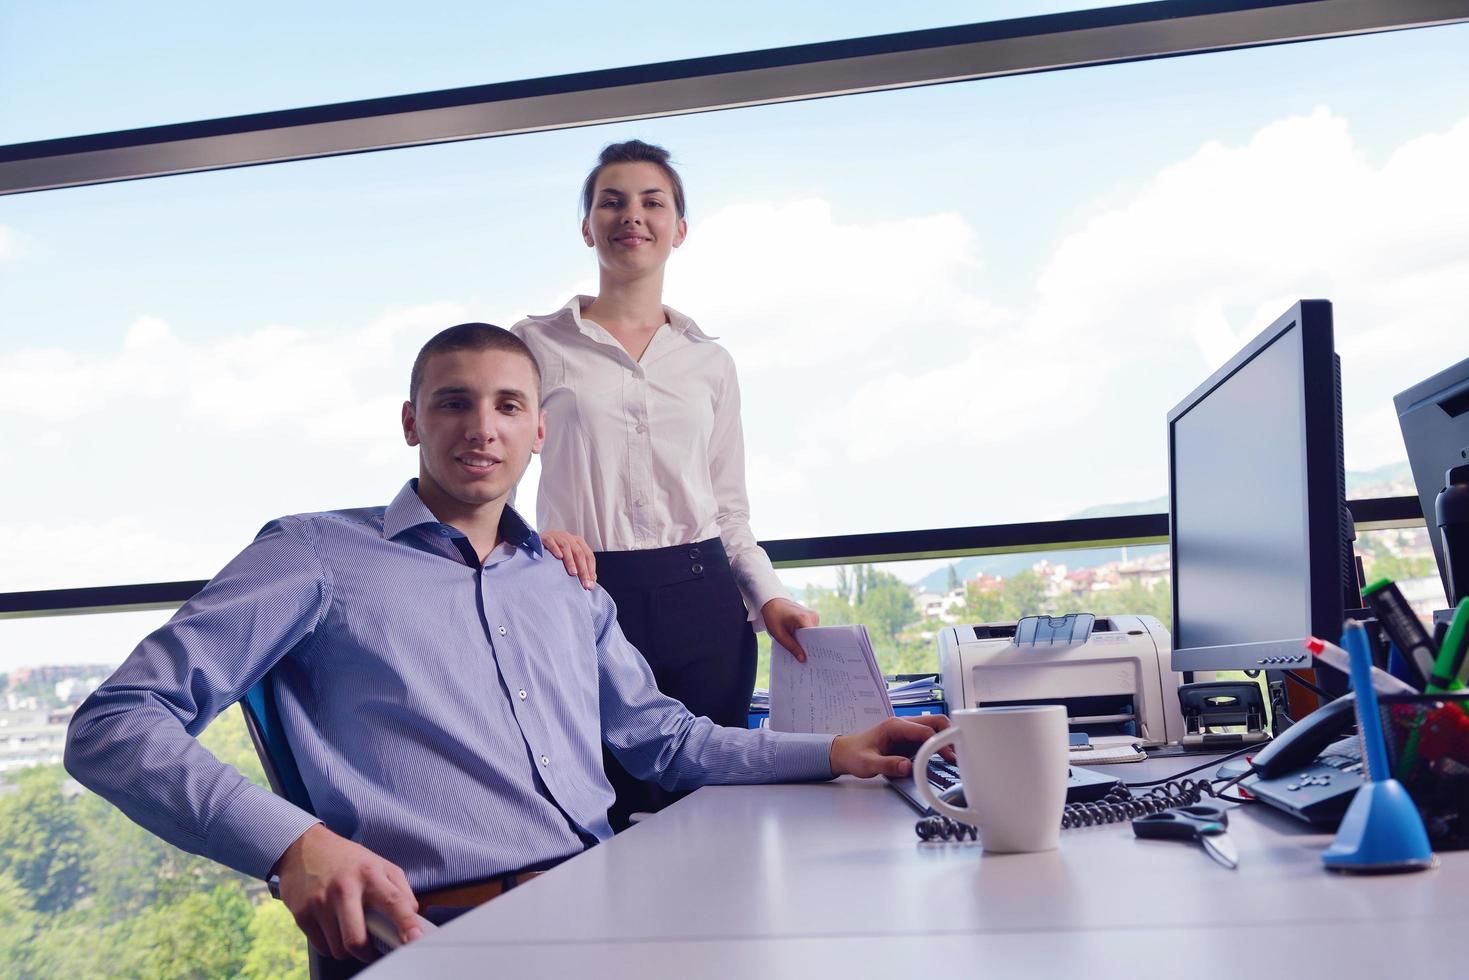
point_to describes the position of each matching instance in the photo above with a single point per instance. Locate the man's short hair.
(470, 336)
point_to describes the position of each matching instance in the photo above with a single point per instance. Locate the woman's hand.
(575, 554)
(782, 618)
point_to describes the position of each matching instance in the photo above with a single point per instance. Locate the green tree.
(886, 605)
(42, 840)
(277, 946)
(18, 924)
(130, 870)
(1399, 567)
(833, 606)
(204, 934)
(229, 740)
(953, 577)
(1136, 599)
(71, 946)
(1025, 595)
(982, 606)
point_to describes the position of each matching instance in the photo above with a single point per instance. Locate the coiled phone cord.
(1118, 805)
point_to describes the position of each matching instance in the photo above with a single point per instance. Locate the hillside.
(1390, 480)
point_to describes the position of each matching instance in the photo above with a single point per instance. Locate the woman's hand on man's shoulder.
(575, 554)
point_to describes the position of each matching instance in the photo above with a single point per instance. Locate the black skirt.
(681, 608)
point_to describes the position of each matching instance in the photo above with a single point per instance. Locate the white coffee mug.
(1013, 761)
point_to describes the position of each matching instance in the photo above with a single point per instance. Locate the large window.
(955, 305)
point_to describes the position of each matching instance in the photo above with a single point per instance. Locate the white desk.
(828, 879)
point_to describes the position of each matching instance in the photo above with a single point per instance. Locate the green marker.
(1456, 640)
(1403, 628)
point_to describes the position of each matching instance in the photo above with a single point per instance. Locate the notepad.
(839, 690)
(1108, 750)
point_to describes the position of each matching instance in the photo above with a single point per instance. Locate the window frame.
(1050, 42)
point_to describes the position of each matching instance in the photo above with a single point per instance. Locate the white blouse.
(648, 453)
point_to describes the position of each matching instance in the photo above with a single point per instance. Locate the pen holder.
(1427, 738)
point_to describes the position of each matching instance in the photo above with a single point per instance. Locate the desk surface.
(828, 879)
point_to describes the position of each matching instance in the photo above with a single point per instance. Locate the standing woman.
(643, 471)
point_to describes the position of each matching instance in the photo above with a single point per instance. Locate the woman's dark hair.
(632, 151)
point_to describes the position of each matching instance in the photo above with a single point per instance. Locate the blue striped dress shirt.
(445, 714)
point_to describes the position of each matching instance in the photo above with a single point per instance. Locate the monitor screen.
(1257, 502)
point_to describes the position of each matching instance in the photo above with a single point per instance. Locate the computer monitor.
(1260, 532)
(1434, 415)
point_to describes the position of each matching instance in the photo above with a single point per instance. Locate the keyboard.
(1082, 785)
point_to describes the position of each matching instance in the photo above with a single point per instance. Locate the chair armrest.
(384, 935)
(380, 929)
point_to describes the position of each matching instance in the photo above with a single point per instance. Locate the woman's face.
(634, 224)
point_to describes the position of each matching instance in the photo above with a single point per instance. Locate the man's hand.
(326, 881)
(782, 618)
(574, 553)
(886, 749)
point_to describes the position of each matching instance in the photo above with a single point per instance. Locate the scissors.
(1202, 823)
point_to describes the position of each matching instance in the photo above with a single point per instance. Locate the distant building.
(32, 737)
(939, 605)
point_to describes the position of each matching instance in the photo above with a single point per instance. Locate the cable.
(1189, 772)
(1118, 805)
(1290, 675)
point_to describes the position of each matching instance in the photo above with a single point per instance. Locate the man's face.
(476, 423)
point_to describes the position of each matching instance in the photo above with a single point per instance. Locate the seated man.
(445, 685)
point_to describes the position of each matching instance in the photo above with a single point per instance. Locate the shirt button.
(545, 760)
(642, 428)
(502, 631)
(522, 694)
(639, 502)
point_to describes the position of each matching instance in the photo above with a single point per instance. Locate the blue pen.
(1369, 720)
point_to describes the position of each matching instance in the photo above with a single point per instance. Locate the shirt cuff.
(759, 586)
(254, 830)
(802, 757)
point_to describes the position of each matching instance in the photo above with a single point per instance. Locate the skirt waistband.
(655, 566)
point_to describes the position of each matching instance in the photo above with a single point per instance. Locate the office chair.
(263, 722)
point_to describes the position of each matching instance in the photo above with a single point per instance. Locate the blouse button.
(522, 694)
(502, 631)
(545, 760)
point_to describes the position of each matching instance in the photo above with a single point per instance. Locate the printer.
(1113, 674)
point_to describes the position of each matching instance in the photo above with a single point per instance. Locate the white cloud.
(1207, 254)
(788, 285)
(415, 324)
(322, 384)
(53, 556)
(12, 244)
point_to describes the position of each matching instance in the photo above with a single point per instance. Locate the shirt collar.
(570, 315)
(409, 511)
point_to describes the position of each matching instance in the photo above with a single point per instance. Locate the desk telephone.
(1314, 769)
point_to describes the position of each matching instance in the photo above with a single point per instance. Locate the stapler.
(1209, 706)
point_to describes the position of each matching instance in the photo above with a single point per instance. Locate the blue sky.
(923, 289)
